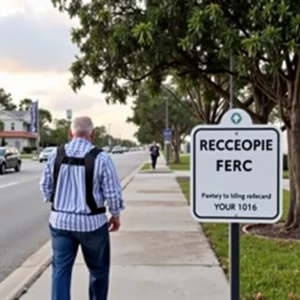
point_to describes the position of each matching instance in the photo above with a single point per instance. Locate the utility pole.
(167, 143)
(69, 119)
(109, 137)
(38, 140)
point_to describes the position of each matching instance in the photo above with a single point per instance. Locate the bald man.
(78, 180)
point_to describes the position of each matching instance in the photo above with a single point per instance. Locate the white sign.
(236, 171)
(69, 114)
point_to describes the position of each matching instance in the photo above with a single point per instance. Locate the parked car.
(10, 158)
(125, 149)
(117, 149)
(106, 149)
(45, 154)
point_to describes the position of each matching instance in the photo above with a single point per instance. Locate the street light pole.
(69, 114)
(167, 143)
(108, 133)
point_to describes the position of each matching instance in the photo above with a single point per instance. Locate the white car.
(45, 154)
(117, 149)
(106, 149)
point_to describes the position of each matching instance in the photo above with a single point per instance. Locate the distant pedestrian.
(154, 154)
(78, 179)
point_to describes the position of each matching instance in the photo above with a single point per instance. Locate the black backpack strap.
(60, 155)
(89, 181)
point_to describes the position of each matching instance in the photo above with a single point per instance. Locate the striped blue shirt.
(70, 190)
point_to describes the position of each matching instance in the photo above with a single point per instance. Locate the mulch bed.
(276, 231)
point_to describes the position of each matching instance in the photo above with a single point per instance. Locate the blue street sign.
(167, 134)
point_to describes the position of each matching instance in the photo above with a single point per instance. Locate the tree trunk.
(295, 151)
(292, 213)
(176, 145)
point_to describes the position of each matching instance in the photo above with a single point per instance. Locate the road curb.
(21, 279)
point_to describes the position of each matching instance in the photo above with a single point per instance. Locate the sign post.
(236, 177)
(234, 228)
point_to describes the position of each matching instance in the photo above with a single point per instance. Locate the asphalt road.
(24, 216)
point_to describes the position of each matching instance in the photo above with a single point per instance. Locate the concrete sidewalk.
(160, 252)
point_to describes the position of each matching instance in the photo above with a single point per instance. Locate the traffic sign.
(167, 135)
(236, 171)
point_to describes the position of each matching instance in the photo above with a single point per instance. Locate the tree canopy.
(6, 101)
(149, 113)
(123, 43)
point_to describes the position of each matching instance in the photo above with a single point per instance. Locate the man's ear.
(70, 134)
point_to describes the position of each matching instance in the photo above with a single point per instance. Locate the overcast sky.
(35, 55)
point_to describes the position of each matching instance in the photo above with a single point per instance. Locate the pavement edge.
(21, 279)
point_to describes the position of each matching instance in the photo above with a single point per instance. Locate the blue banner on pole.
(34, 117)
(167, 134)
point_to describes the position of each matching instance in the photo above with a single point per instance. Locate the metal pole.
(69, 128)
(234, 231)
(109, 142)
(69, 114)
(167, 127)
(231, 83)
(38, 139)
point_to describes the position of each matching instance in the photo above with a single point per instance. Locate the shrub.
(29, 149)
(285, 162)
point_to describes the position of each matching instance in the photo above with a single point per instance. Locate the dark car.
(10, 158)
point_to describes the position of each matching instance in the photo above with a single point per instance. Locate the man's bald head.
(82, 127)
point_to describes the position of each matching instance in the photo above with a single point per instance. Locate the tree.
(266, 44)
(25, 104)
(201, 102)
(128, 41)
(6, 101)
(100, 136)
(45, 119)
(146, 135)
(60, 133)
(127, 143)
(149, 114)
(135, 43)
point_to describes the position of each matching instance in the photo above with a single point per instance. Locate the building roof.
(17, 113)
(17, 134)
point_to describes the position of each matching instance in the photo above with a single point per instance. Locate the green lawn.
(270, 267)
(286, 174)
(26, 156)
(146, 166)
(184, 164)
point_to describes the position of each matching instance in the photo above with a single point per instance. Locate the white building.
(17, 129)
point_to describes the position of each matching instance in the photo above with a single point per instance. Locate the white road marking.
(8, 184)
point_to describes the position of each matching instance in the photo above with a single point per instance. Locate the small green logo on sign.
(236, 118)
